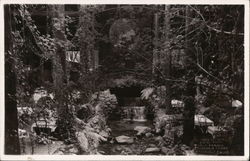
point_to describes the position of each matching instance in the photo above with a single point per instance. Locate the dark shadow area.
(128, 96)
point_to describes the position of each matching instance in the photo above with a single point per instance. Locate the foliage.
(178, 149)
(131, 54)
(104, 102)
(145, 93)
(95, 130)
(85, 112)
(155, 96)
(220, 63)
(127, 81)
(122, 32)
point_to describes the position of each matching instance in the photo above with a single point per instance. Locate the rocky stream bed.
(131, 138)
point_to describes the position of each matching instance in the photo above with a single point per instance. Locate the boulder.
(126, 151)
(148, 134)
(124, 139)
(97, 137)
(111, 141)
(83, 141)
(168, 151)
(152, 150)
(236, 103)
(73, 150)
(165, 150)
(152, 145)
(141, 130)
(158, 138)
(58, 153)
(104, 134)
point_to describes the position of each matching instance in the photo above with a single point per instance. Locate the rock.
(98, 153)
(58, 152)
(73, 150)
(126, 151)
(124, 139)
(104, 134)
(168, 151)
(189, 152)
(118, 148)
(148, 134)
(152, 145)
(236, 103)
(98, 137)
(141, 130)
(101, 152)
(111, 141)
(159, 138)
(108, 130)
(82, 140)
(69, 146)
(165, 150)
(152, 150)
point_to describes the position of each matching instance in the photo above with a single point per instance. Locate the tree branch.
(225, 32)
(214, 29)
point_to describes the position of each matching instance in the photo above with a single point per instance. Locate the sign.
(73, 56)
(201, 120)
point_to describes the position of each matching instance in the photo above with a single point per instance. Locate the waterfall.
(134, 113)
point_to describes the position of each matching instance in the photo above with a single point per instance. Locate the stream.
(138, 147)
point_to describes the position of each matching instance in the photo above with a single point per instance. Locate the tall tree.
(87, 35)
(11, 122)
(162, 55)
(59, 72)
(156, 42)
(167, 59)
(189, 101)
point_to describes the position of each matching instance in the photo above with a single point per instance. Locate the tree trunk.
(86, 39)
(64, 122)
(167, 60)
(189, 109)
(155, 50)
(158, 60)
(12, 145)
(58, 73)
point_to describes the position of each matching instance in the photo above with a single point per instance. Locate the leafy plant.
(146, 93)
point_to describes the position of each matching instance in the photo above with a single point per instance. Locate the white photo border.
(130, 157)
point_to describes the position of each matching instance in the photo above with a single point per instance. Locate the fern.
(145, 93)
